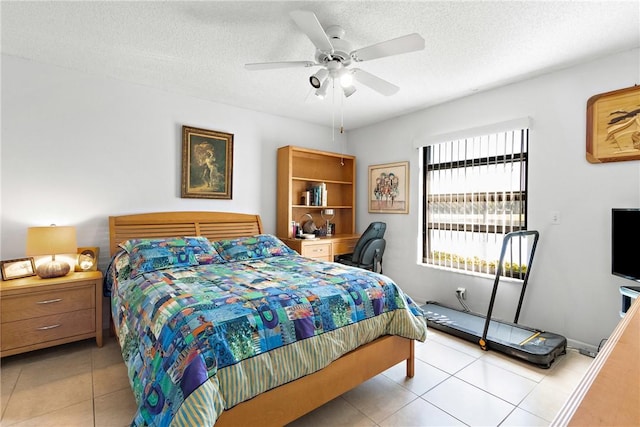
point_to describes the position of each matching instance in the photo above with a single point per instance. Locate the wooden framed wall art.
(389, 188)
(613, 126)
(207, 164)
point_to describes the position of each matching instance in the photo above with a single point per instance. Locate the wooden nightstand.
(38, 313)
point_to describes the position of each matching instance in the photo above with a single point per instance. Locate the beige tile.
(78, 415)
(516, 366)
(520, 418)
(576, 362)
(544, 401)
(75, 349)
(337, 412)
(109, 379)
(467, 347)
(468, 404)
(498, 381)
(32, 398)
(420, 413)
(566, 375)
(443, 357)
(115, 409)
(53, 366)
(379, 397)
(108, 354)
(9, 373)
(425, 377)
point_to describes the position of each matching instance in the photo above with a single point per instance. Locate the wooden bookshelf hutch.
(299, 169)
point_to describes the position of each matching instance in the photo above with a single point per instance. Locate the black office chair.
(369, 249)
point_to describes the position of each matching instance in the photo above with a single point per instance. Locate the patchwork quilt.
(189, 313)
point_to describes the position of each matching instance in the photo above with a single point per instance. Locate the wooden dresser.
(609, 393)
(38, 313)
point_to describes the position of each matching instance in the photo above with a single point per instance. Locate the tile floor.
(456, 383)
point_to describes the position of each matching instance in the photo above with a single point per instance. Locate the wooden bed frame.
(274, 407)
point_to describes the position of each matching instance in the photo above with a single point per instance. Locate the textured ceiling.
(200, 48)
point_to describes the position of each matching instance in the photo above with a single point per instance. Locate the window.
(475, 192)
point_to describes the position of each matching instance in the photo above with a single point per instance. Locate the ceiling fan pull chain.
(333, 110)
(341, 114)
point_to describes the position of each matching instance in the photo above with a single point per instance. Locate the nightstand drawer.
(47, 328)
(38, 304)
(320, 252)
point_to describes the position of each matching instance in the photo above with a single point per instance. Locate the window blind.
(475, 193)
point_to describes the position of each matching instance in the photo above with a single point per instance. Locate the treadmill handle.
(505, 243)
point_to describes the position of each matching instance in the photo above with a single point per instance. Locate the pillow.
(255, 247)
(146, 259)
(199, 245)
(202, 244)
(146, 255)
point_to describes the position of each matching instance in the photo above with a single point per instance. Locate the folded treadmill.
(532, 345)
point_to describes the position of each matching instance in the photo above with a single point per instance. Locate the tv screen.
(625, 237)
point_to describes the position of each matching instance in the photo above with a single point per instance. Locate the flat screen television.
(625, 237)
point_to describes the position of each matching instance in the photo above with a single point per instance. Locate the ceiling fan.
(334, 55)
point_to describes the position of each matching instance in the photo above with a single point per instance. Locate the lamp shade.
(51, 240)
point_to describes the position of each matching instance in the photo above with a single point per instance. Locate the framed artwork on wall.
(17, 268)
(207, 164)
(389, 188)
(613, 126)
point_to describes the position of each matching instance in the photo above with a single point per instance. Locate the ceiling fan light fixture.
(318, 78)
(348, 91)
(322, 92)
(346, 78)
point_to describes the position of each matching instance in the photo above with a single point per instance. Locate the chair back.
(375, 230)
(372, 255)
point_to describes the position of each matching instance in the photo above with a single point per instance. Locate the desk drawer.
(321, 252)
(38, 304)
(47, 328)
(344, 247)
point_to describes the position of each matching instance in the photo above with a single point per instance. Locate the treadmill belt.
(474, 325)
(532, 345)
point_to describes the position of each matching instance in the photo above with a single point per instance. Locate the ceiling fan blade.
(273, 65)
(404, 44)
(375, 83)
(309, 24)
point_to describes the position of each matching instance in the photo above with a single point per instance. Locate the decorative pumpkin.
(53, 269)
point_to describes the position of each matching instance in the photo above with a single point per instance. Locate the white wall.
(571, 290)
(77, 148)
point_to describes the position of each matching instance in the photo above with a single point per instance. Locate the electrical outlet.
(462, 292)
(555, 217)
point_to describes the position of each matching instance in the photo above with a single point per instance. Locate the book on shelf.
(318, 194)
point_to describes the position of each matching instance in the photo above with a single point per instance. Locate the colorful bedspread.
(179, 326)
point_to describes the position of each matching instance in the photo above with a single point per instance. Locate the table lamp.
(51, 240)
(328, 215)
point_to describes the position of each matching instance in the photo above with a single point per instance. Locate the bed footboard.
(276, 407)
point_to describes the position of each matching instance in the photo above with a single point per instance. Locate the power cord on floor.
(587, 352)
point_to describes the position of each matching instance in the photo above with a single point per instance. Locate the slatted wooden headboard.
(212, 225)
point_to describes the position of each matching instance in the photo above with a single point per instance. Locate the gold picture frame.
(207, 164)
(87, 259)
(613, 126)
(389, 188)
(17, 268)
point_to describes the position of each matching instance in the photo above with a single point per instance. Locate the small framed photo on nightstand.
(17, 268)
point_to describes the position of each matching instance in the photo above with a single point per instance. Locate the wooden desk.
(609, 393)
(323, 248)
